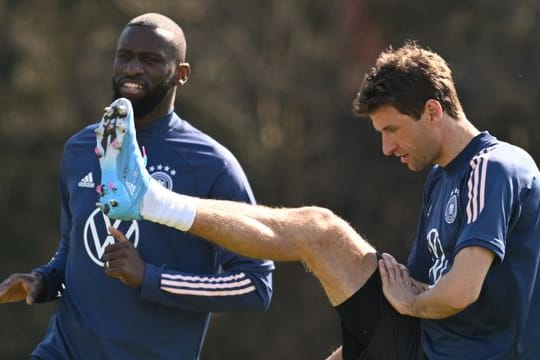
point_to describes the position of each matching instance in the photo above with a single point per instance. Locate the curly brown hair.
(406, 78)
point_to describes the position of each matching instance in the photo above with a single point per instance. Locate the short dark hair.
(158, 21)
(405, 79)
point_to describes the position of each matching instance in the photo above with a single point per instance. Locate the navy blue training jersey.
(185, 278)
(488, 196)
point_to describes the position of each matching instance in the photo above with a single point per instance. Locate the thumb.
(30, 298)
(32, 292)
(34, 286)
(118, 235)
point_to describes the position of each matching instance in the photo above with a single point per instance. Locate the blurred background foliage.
(273, 81)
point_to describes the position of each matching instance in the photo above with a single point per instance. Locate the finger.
(106, 258)
(404, 271)
(391, 259)
(115, 251)
(117, 234)
(5, 286)
(118, 251)
(111, 265)
(114, 273)
(32, 293)
(403, 268)
(109, 268)
(9, 282)
(382, 271)
(389, 265)
(405, 277)
(399, 275)
(400, 271)
(14, 290)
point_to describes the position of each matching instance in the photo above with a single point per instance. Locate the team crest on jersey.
(96, 236)
(450, 211)
(163, 174)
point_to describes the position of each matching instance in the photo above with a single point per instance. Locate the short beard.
(146, 104)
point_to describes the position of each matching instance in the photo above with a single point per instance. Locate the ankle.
(166, 207)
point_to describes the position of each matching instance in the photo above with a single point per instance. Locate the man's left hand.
(398, 287)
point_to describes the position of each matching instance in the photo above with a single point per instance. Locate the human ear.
(433, 109)
(183, 72)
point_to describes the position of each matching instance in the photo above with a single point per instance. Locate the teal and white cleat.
(124, 178)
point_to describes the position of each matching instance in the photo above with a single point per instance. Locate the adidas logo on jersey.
(87, 181)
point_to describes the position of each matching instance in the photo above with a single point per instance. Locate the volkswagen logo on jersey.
(450, 212)
(97, 238)
(162, 174)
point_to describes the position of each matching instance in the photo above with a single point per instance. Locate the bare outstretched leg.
(325, 243)
(337, 255)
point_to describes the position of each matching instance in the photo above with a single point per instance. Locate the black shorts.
(374, 330)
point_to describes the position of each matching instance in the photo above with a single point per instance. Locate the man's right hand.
(19, 287)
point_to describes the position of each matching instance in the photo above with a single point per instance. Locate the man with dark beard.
(153, 301)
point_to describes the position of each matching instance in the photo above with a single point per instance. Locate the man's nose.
(388, 145)
(134, 67)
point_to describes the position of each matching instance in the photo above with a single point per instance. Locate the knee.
(324, 225)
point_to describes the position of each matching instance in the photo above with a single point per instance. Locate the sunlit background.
(273, 81)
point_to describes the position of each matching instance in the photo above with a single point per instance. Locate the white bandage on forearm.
(165, 207)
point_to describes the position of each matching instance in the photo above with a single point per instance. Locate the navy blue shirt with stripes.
(186, 277)
(488, 196)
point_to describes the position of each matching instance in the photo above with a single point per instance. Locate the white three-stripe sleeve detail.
(180, 291)
(483, 176)
(205, 285)
(471, 203)
(237, 284)
(203, 278)
(477, 185)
